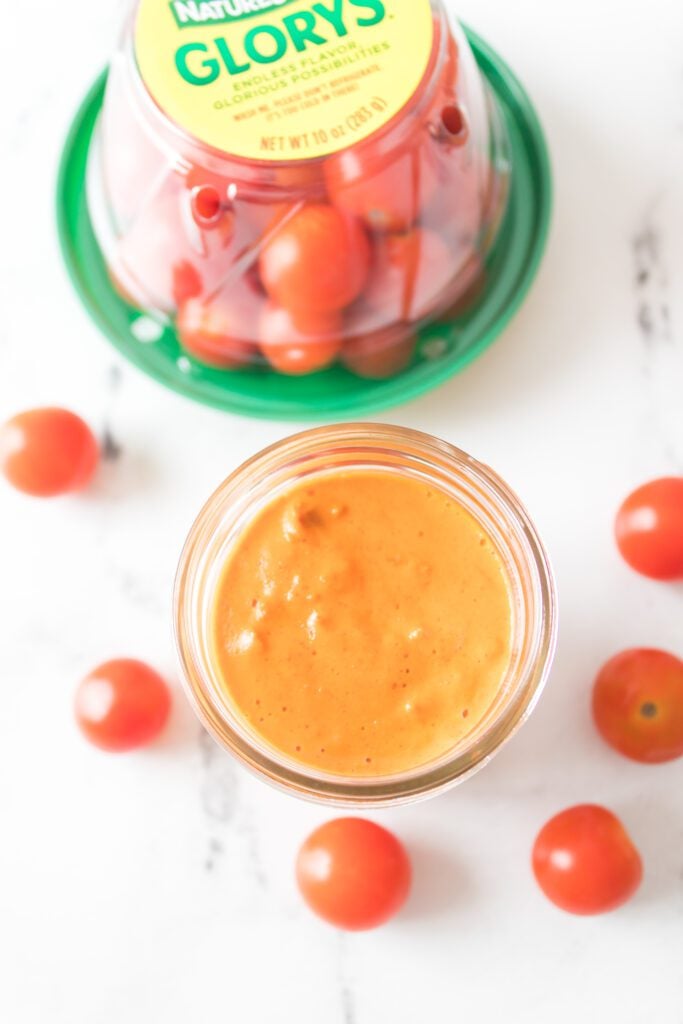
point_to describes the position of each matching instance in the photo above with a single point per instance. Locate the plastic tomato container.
(366, 447)
(292, 190)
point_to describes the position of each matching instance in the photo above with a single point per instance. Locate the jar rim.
(309, 453)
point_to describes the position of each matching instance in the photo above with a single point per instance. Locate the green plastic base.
(335, 393)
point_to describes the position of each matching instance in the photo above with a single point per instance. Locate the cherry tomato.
(379, 354)
(649, 529)
(122, 705)
(318, 260)
(387, 193)
(585, 862)
(223, 331)
(353, 873)
(409, 276)
(638, 705)
(298, 343)
(48, 452)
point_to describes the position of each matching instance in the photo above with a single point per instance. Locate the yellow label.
(282, 79)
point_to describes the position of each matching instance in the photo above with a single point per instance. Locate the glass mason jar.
(373, 447)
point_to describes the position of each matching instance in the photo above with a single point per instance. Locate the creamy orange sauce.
(362, 623)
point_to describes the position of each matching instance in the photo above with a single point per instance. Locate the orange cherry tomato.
(377, 355)
(638, 705)
(410, 275)
(354, 874)
(388, 193)
(585, 862)
(223, 331)
(649, 529)
(48, 452)
(297, 344)
(123, 704)
(317, 260)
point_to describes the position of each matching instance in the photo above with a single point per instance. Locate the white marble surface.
(158, 887)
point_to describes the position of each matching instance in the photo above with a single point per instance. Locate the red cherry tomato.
(649, 529)
(122, 705)
(410, 275)
(223, 331)
(388, 193)
(353, 873)
(379, 354)
(585, 862)
(317, 260)
(47, 452)
(297, 344)
(638, 705)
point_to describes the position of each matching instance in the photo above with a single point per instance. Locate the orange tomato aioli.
(362, 623)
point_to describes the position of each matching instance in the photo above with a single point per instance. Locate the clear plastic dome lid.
(297, 183)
